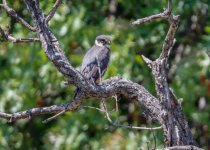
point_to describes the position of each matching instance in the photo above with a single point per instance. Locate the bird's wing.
(90, 65)
(90, 70)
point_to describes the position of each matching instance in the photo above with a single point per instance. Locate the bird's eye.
(103, 41)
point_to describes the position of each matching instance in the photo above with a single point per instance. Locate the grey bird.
(96, 60)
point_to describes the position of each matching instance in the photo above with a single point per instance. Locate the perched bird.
(96, 60)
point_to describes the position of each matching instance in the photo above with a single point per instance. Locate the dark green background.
(28, 79)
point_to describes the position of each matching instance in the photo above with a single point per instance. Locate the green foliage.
(28, 79)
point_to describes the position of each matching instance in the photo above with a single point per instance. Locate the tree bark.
(165, 109)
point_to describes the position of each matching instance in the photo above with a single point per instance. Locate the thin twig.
(93, 108)
(137, 128)
(72, 105)
(53, 10)
(13, 13)
(124, 126)
(117, 125)
(106, 112)
(53, 117)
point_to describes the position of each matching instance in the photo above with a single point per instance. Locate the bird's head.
(103, 40)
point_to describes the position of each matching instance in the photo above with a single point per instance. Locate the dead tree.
(165, 108)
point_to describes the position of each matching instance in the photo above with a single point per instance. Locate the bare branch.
(55, 116)
(31, 112)
(151, 18)
(92, 108)
(169, 6)
(107, 88)
(173, 125)
(53, 10)
(71, 106)
(169, 40)
(137, 128)
(121, 126)
(147, 60)
(7, 37)
(22, 40)
(13, 13)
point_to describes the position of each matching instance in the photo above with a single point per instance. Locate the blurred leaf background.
(28, 79)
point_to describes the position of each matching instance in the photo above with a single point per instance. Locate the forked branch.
(164, 110)
(174, 122)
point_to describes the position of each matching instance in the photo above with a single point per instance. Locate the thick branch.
(52, 47)
(109, 87)
(13, 13)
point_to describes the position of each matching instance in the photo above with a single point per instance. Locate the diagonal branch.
(52, 47)
(53, 10)
(14, 14)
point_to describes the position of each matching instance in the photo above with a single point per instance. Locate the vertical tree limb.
(176, 129)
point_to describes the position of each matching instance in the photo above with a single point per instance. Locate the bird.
(96, 60)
